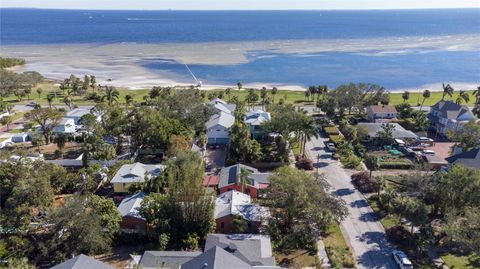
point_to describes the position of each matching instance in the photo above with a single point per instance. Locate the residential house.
(239, 251)
(218, 127)
(66, 126)
(231, 179)
(447, 116)
(398, 131)
(211, 182)
(130, 174)
(77, 114)
(82, 262)
(232, 204)
(132, 221)
(469, 159)
(162, 259)
(381, 113)
(255, 120)
(20, 138)
(255, 250)
(216, 258)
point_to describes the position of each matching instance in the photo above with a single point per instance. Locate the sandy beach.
(125, 63)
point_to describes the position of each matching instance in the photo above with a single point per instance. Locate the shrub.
(396, 165)
(364, 183)
(331, 130)
(304, 163)
(399, 235)
(336, 139)
(350, 161)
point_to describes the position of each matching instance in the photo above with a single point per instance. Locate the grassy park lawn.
(337, 249)
(288, 96)
(457, 261)
(298, 258)
(15, 131)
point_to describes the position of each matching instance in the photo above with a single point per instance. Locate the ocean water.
(407, 66)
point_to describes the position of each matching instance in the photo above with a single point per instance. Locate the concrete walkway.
(361, 228)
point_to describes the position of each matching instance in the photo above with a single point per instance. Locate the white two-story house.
(447, 116)
(218, 127)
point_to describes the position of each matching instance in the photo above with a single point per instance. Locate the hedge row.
(331, 130)
(396, 165)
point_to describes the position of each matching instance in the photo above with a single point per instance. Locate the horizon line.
(313, 9)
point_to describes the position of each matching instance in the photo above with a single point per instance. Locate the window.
(222, 225)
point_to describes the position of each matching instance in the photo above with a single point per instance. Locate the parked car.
(428, 152)
(331, 147)
(32, 104)
(402, 260)
(424, 139)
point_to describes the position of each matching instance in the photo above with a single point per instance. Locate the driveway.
(363, 232)
(216, 156)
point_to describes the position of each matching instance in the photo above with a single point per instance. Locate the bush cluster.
(364, 183)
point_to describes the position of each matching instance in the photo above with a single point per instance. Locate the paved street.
(361, 228)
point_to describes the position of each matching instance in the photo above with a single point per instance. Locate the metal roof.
(82, 262)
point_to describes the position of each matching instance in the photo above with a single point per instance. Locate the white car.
(428, 152)
(402, 260)
(331, 147)
(424, 139)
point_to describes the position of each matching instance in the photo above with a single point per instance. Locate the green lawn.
(337, 249)
(396, 98)
(298, 258)
(457, 261)
(387, 220)
(286, 95)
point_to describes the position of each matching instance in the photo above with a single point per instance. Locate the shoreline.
(128, 64)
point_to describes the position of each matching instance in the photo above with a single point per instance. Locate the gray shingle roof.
(82, 262)
(253, 249)
(237, 204)
(451, 110)
(399, 132)
(131, 204)
(231, 174)
(469, 159)
(216, 258)
(136, 172)
(223, 119)
(166, 259)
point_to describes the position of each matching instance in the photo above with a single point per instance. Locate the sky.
(240, 4)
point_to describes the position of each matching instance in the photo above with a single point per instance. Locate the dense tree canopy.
(300, 207)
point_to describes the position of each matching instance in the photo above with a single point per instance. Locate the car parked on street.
(402, 260)
(331, 147)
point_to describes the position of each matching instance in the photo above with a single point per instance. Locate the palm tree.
(243, 178)
(476, 109)
(420, 120)
(228, 91)
(308, 130)
(50, 99)
(93, 82)
(405, 96)
(447, 90)
(426, 94)
(39, 91)
(274, 92)
(239, 85)
(312, 90)
(371, 162)
(263, 95)
(68, 101)
(462, 96)
(111, 95)
(128, 100)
